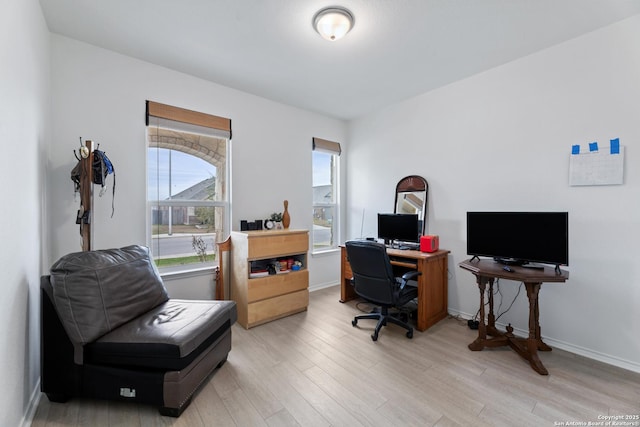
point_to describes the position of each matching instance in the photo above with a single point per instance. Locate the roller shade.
(326, 146)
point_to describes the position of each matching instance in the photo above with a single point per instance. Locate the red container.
(429, 243)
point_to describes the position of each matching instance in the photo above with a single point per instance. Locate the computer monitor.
(398, 228)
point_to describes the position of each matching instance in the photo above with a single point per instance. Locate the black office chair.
(374, 281)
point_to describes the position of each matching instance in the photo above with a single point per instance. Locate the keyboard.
(409, 247)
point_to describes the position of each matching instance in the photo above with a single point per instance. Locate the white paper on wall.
(597, 166)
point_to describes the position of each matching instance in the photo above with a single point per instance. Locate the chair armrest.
(410, 275)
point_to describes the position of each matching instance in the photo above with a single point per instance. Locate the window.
(326, 209)
(187, 187)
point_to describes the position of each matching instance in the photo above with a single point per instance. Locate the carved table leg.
(479, 342)
(541, 345)
(491, 317)
(534, 340)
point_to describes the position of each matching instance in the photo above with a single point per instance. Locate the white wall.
(501, 140)
(100, 95)
(24, 130)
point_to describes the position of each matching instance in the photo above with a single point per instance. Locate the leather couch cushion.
(169, 336)
(97, 291)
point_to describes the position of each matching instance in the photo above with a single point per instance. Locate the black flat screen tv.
(519, 237)
(398, 227)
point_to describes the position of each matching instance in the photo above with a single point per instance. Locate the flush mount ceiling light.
(333, 23)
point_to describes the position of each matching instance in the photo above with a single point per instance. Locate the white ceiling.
(396, 50)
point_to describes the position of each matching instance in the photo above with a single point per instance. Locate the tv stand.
(510, 261)
(486, 272)
(535, 266)
(520, 263)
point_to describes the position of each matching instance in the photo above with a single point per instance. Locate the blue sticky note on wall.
(593, 146)
(575, 149)
(615, 146)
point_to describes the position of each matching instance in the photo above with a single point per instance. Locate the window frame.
(333, 149)
(188, 122)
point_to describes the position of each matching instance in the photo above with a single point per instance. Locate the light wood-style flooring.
(315, 369)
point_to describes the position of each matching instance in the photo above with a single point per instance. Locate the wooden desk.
(432, 283)
(488, 270)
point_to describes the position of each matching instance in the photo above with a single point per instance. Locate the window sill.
(167, 274)
(325, 252)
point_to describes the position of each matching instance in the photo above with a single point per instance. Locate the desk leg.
(421, 320)
(479, 342)
(534, 341)
(347, 292)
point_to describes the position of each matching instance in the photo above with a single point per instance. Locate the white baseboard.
(27, 418)
(322, 286)
(571, 348)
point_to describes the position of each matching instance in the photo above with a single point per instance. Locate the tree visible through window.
(187, 196)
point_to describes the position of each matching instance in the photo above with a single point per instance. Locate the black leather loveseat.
(110, 331)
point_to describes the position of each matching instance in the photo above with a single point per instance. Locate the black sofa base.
(170, 390)
(104, 382)
(95, 373)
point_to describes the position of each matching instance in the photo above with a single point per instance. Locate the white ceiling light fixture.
(333, 23)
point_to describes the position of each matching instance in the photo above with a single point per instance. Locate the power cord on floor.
(475, 323)
(461, 320)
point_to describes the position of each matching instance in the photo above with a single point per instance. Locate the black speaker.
(250, 225)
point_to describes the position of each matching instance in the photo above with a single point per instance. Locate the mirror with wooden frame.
(411, 198)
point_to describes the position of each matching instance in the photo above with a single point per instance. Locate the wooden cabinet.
(262, 297)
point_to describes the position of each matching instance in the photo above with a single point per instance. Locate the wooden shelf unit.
(263, 299)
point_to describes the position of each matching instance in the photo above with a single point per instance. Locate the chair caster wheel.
(410, 334)
(374, 337)
(354, 322)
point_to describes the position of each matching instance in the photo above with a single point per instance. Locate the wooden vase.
(286, 219)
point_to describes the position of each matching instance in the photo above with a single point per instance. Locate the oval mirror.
(411, 198)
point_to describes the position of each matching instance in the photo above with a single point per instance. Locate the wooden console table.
(486, 271)
(432, 283)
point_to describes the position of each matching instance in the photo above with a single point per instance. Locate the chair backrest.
(372, 272)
